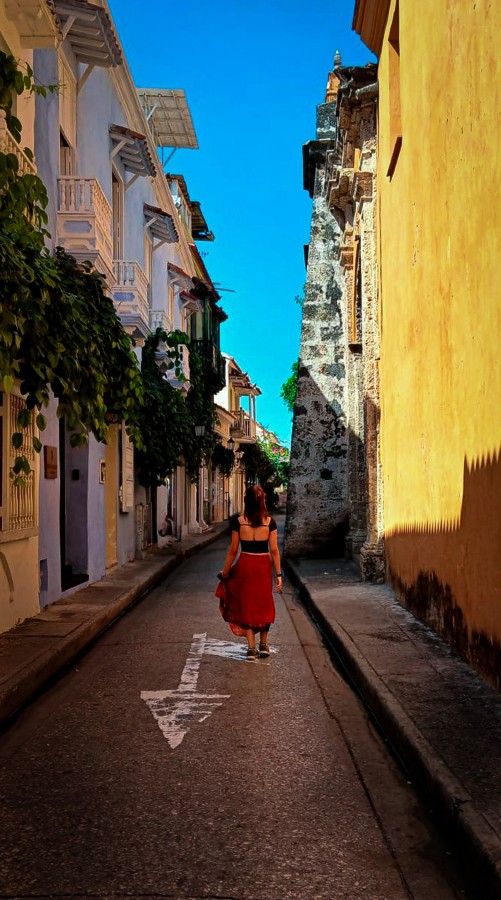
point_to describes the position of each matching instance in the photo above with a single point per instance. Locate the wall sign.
(50, 462)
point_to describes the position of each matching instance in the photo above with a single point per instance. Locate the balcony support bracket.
(83, 78)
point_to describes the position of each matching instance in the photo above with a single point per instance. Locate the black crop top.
(253, 546)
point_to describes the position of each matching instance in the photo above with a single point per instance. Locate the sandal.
(264, 650)
(251, 653)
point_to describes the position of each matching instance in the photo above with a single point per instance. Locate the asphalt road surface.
(164, 764)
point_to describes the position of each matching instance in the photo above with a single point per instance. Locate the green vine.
(198, 448)
(163, 417)
(60, 336)
(59, 333)
(223, 458)
(289, 388)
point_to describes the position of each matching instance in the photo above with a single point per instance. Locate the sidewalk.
(32, 653)
(443, 720)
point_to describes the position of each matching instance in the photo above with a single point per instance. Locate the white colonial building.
(98, 144)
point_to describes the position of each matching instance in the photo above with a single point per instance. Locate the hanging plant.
(163, 418)
(200, 402)
(223, 458)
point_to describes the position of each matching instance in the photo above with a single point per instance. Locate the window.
(127, 472)
(67, 105)
(148, 263)
(117, 206)
(18, 505)
(66, 157)
(394, 89)
(170, 303)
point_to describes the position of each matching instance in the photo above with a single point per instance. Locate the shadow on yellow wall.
(450, 575)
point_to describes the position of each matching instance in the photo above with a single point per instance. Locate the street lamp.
(231, 444)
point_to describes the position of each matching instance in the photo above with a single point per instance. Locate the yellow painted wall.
(440, 310)
(19, 581)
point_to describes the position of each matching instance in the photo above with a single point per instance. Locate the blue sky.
(253, 74)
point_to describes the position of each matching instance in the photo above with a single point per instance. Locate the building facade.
(334, 504)
(98, 143)
(237, 429)
(438, 266)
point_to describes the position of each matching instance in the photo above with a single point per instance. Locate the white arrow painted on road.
(176, 710)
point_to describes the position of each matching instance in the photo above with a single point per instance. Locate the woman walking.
(245, 589)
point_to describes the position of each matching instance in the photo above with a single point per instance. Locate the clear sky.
(253, 73)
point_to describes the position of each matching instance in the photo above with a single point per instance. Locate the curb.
(475, 839)
(48, 665)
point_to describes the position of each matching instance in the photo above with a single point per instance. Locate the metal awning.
(179, 277)
(169, 117)
(160, 225)
(132, 150)
(90, 33)
(199, 228)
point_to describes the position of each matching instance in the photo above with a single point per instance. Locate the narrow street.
(265, 779)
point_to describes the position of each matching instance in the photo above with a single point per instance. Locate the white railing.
(9, 145)
(84, 196)
(160, 319)
(184, 359)
(130, 293)
(84, 221)
(244, 427)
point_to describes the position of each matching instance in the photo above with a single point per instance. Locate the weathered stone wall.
(335, 490)
(317, 508)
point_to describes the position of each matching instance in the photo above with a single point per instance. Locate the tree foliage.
(223, 458)
(289, 388)
(267, 463)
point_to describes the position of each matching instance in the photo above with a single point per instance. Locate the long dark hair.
(255, 505)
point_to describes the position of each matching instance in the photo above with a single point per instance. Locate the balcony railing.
(244, 428)
(84, 222)
(9, 145)
(130, 293)
(160, 319)
(213, 360)
(164, 360)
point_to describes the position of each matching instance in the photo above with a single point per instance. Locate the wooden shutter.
(127, 472)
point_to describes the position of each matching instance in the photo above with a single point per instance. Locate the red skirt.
(246, 596)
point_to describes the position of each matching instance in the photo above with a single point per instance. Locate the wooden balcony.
(130, 293)
(84, 223)
(9, 145)
(244, 428)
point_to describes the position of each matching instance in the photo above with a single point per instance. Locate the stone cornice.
(340, 189)
(362, 186)
(314, 154)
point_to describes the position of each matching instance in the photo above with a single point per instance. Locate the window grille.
(18, 503)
